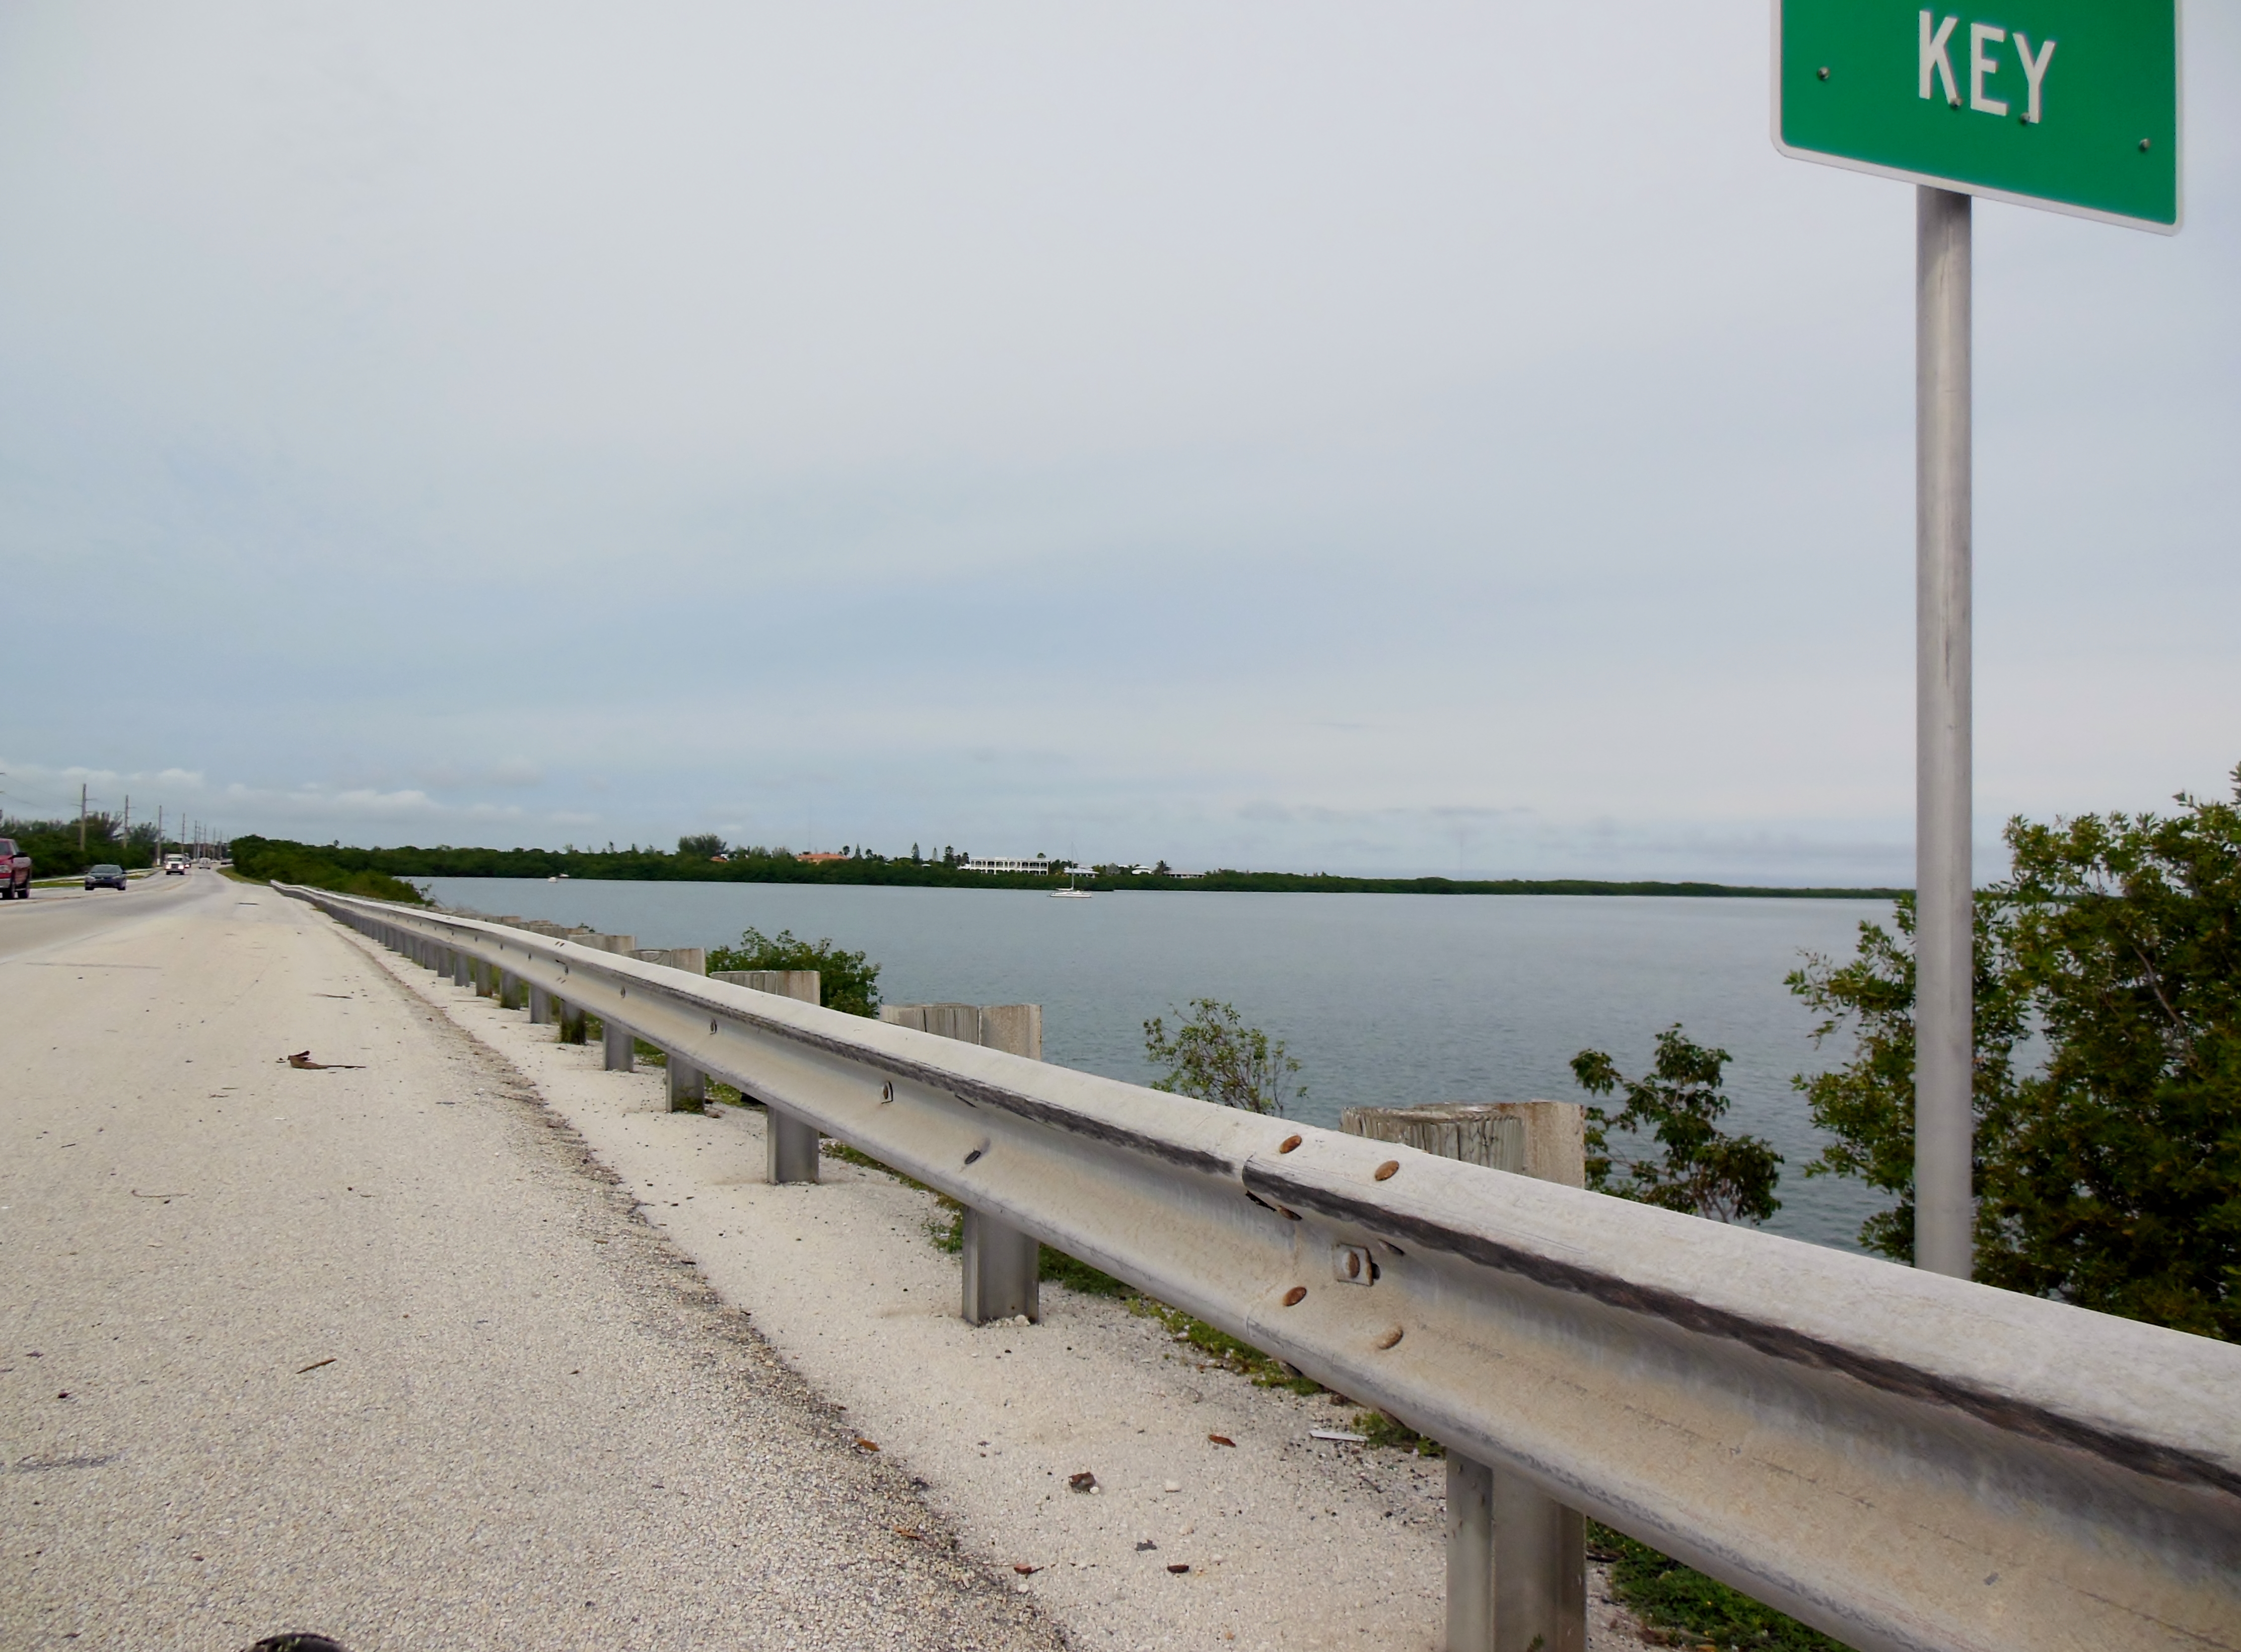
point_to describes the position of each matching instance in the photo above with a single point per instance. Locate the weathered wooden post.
(799, 984)
(1003, 1266)
(1016, 1029)
(959, 1021)
(1517, 1559)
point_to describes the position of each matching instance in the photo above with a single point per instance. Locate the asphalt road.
(377, 1350)
(56, 915)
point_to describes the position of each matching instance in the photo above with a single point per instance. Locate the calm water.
(1385, 1001)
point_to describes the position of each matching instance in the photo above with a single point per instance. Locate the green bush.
(1215, 1056)
(276, 861)
(1704, 1171)
(846, 981)
(2109, 1174)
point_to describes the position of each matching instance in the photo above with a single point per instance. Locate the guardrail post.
(1517, 1561)
(1003, 1264)
(792, 1145)
(688, 1085)
(1470, 1554)
(1003, 1269)
(621, 1046)
(509, 990)
(1539, 1569)
(459, 976)
(540, 1007)
(574, 1028)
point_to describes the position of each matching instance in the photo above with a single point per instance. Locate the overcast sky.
(1396, 437)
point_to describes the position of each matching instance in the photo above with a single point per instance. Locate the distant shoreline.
(652, 866)
(1244, 883)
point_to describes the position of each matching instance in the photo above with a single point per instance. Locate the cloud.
(1434, 440)
(360, 805)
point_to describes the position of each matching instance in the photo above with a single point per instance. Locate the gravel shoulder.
(1288, 1541)
(384, 1350)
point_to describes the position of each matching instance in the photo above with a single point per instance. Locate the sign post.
(1944, 892)
(2072, 106)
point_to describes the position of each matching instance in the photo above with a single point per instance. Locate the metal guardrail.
(1906, 1462)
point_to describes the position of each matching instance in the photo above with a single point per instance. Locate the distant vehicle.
(104, 877)
(16, 868)
(175, 865)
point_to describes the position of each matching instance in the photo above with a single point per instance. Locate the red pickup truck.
(17, 868)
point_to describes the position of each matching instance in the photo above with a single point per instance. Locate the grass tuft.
(1223, 1349)
(1683, 1602)
(1392, 1434)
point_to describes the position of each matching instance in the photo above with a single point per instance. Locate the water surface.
(1387, 1000)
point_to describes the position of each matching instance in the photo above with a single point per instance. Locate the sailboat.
(1070, 893)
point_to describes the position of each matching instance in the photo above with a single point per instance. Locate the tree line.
(696, 860)
(53, 844)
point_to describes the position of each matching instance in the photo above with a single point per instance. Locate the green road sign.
(2071, 105)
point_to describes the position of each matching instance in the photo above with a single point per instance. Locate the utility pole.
(81, 816)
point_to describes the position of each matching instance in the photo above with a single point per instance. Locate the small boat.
(1070, 893)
